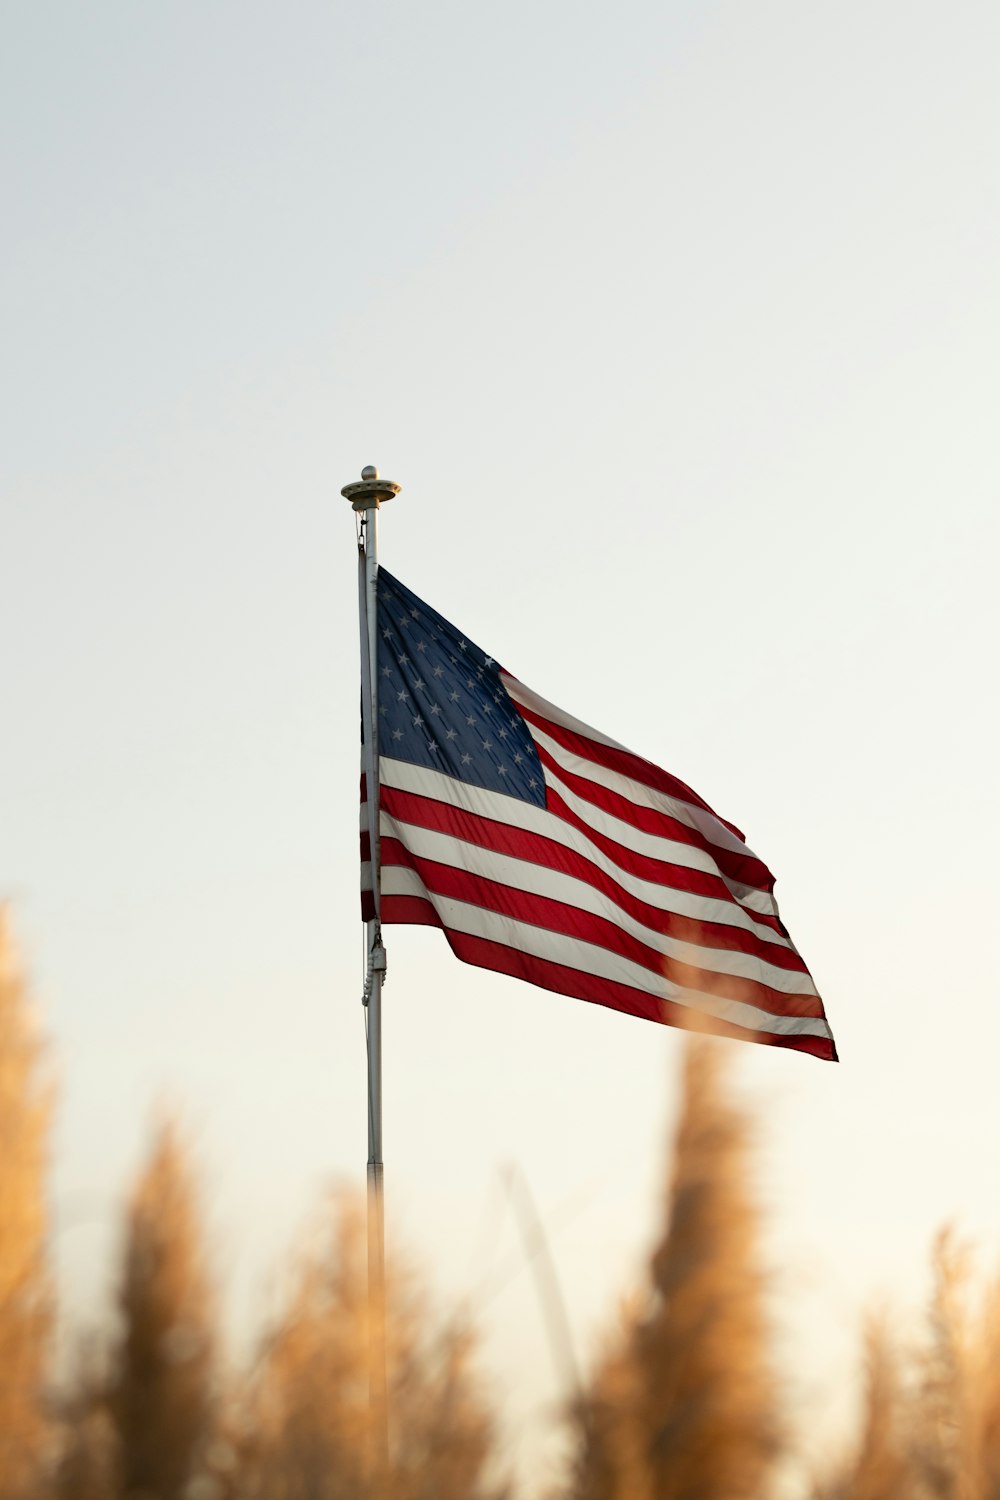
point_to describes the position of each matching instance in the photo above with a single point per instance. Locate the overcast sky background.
(680, 326)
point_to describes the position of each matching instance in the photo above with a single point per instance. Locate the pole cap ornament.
(368, 492)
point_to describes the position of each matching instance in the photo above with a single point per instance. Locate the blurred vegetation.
(25, 1293)
(684, 1405)
(683, 1402)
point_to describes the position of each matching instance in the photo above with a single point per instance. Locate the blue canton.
(442, 703)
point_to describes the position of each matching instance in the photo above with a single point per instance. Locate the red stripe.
(537, 849)
(583, 926)
(657, 871)
(745, 868)
(624, 762)
(485, 954)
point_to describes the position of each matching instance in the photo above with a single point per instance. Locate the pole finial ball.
(369, 472)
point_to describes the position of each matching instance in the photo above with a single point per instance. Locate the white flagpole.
(366, 497)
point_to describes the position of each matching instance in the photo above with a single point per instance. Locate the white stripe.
(556, 885)
(540, 705)
(696, 818)
(512, 811)
(706, 822)
(523, 937)
(655, 847)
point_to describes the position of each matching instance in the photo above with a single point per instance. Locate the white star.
(487, 744)
(402, 660)
(488, 708)
(418, 721)
(386, 634)
(518, 758)
(472, 721)
(497, 697)
(383, 711)
(466, 760)
(502, 733)
(421, 645)
(503, 770)
(420, 683)
(454, 696)
(415, 614)
(471, 682)
(431, 745)
(404, 623)
(532, 784)
(397, 734)
(439, 671)
(434, 709)
(386, 671)
(452, 734)
(462, 645)
(487, 661)
(403, 697)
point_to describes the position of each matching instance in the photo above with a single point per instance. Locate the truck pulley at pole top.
(366, 495)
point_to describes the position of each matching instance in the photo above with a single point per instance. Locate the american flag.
(549, 852)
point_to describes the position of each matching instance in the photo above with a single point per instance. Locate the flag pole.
(366, 496)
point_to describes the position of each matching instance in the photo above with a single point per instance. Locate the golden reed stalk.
(25, 1289)
(683, 1403)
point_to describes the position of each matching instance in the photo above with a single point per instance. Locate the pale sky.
(680, 326)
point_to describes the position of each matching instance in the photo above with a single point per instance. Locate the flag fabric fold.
(546, 851)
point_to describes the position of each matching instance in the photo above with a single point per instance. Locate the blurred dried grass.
(307, 1404)
(25, 1290)
(153, 1418)
(161, 1391)
(683, 1402)
(684, 1405)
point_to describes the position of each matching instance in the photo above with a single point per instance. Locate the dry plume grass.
(683, 1403)
(684, 1407)
(957, 1400)
(307, 1405)
(881, 1466)
(930, 1427)
(710, 1405)
(140, 1417)
(160, 1397)
(88, 1468)
(25, 1302)
(610, 1459)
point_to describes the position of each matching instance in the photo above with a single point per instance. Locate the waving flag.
(549, 852)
